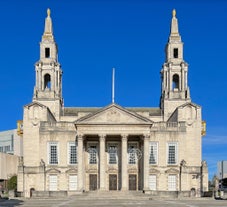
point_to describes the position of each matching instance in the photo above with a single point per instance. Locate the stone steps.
(129, 195)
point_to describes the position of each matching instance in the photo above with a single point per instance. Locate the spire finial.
(48, 12)
(174, 12)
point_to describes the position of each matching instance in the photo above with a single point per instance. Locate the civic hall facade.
(69, 150)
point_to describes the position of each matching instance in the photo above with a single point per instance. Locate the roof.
(73, 111)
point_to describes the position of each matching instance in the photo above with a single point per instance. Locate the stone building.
(70, 149)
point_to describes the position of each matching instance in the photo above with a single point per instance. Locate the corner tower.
(174, 73)
(48, 86)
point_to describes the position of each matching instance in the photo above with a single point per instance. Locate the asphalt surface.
(96, 202)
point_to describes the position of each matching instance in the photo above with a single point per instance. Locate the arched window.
(47, 81)
(175, 82)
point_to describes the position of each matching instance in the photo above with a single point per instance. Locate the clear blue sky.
(95, 35)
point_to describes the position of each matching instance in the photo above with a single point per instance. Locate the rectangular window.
(6, 148)
(153, 153)
(112, 150)
(93, 154)
(175, 52)
(72, 153)
(132, 156)
(73, 182)
(1, 149)
(53, 153)
(47, 52)
(172, 183)
(172, 153)
(152, 182)
(53, 183)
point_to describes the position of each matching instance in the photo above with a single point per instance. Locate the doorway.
(132, 182)
(112, 182)
(92, 182)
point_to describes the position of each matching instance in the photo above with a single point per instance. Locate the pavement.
(83, 201)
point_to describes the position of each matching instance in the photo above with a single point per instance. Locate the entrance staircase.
(102, 195)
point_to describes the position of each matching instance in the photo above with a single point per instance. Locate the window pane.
(152, 182)
(73, 182)
(53, 153)
(132, 154)
(93, 155)
(153, 153)
(172, 182)
(53, 182)
(112, 154)
(172, 153)
(72, 153)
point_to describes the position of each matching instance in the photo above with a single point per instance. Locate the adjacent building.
(157, 150)
(10, 151)
(222, 169)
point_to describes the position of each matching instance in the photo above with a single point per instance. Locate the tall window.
(53, 182)
(73, 182)
(172, 183)
(47, 81)
(152, 182)
(153, 153)
(112, 150)
(72, 153)
(47, 52)
(132, 156)
(53, 153)
(93, 154)
(175, 52)
(172, 153)
(175, 82)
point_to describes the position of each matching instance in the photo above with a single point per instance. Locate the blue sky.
(95, 35)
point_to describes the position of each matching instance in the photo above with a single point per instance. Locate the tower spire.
(174, 33)
(48, 29)
(48, 86)
(175, 90)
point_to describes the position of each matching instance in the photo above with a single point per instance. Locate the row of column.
(124, 163)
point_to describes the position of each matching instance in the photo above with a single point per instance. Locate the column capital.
(80, 137)
(124, 137)
(146, 136)
(102, 137)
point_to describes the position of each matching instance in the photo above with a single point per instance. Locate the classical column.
(102, 162)
(80, 158)
(124, 163)
(146, 163)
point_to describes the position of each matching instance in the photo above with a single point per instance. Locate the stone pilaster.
(124, 163)
(146, 163)
(80, 163)
(102, 162)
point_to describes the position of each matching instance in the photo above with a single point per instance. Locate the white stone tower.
(174, 73)
(48, 87)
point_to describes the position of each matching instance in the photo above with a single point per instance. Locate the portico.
(104, 166)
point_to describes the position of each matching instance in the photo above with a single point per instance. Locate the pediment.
(154, 171)
(53, 170)
(189, 105)
(35, 104)
(113, 114)
(172, 171)
(71, 171)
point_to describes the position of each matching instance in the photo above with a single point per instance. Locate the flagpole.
(113, 82)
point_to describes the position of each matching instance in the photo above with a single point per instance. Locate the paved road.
(75, 202)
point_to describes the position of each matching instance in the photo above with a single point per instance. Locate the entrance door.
(132, 182)
(93, 182)
(112, 182)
